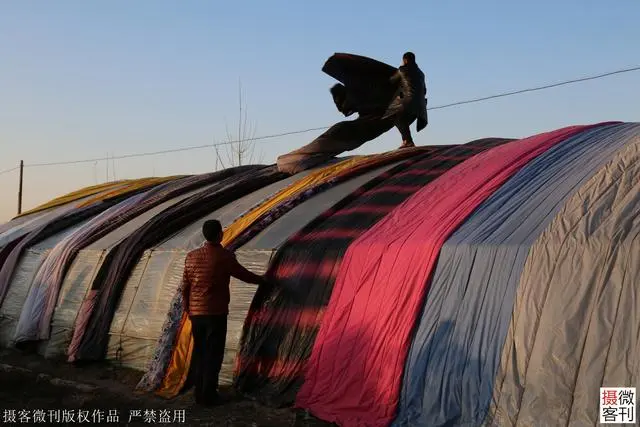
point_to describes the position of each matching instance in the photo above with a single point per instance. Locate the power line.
(9, 170)
(175, 150)
(276, 135)
(533, 89)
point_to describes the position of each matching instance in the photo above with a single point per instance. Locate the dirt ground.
(42, 392)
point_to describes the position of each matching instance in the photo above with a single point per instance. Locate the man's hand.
(265, 282)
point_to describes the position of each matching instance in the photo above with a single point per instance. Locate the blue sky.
(86, 79)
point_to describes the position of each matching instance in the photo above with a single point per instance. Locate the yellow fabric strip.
(100, 191)
(125, 188)
(72, 197)
(178, 369)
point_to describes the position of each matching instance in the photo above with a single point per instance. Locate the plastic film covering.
(257, 262)
(22, 221)
(191, 236)
(91, 338)
(72, 293)
(82, 273)
(11, 252)
(244, 229)
(576, 317)
(139, 316)
(468, 309)
(54, 269)
(17, 229)
(257, 254)
(145, 319)
(17, 294)
(364, 338)
(178, 327)
(187, 239)
(282, 324)
(119, 220)
(21, 281)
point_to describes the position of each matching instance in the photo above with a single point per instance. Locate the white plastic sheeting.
(13, 230)
(145, 302)
(82, 273)
(255, 256)
(21, 282)
(147, 298)
(22, 221)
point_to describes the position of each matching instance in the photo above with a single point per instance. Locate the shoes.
(407, 144)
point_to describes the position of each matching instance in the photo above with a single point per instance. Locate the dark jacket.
(410, 96)
(207, 273)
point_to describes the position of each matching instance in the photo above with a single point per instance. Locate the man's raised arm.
(241, 273)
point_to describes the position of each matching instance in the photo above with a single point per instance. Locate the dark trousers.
(209, 336)
(403, 121)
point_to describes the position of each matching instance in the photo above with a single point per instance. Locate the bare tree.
(240, 149)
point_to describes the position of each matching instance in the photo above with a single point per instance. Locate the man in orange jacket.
(207, 273)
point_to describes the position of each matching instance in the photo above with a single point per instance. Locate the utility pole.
(20, 187)
(240, 123)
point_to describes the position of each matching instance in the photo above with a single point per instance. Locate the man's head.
(212, 231)
(408, 58)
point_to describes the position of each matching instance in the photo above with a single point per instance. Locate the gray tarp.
(576, 319)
